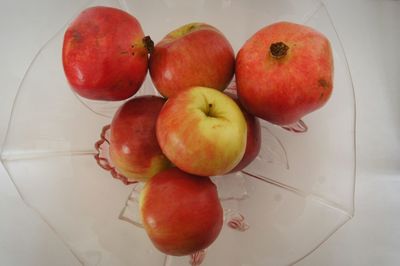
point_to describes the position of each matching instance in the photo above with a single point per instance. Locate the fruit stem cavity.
(148, 44)
(278, 49)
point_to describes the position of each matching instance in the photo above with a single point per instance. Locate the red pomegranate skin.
(283, 89)
(104, 56)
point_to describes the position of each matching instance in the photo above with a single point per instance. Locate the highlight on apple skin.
(196, 54)
(181, 213)
(202, 131)
(284, 71)
(134, 149)
(105, 54)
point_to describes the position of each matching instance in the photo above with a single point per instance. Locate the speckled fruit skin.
(283, 90)
(134, 149)
(181, 213)
(103, 54)
(196, 54)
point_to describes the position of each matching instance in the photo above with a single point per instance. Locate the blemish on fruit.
(191, 27)
(77, 36)
(323, 83)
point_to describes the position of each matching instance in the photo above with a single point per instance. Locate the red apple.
(181, 213)
(284, 71)
(253, 143)
(202, 131)
(105, 54)
(134, 149)
(195, 54)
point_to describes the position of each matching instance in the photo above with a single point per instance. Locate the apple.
(202, 131)
(253, 143)
(105, 54)
(134, 149)
(284, 71)
(196, 54)
(181, 213)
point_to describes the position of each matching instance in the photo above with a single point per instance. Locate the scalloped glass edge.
(318, 8)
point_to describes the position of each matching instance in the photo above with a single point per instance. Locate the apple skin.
(202, 131)
(181, 213)
(253, 143)
(134, 149)
(296, 81)
(104, 54)
(195, 54)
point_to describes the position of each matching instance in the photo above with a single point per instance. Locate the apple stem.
(148, 44)
(209, 109)
(278, 49)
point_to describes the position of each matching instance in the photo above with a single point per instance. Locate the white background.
(370, 32)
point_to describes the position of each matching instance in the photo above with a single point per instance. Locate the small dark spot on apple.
(210, 105)
(323, 83)
(133, 53)
(321, 95)
(76, 35)
(191, 27)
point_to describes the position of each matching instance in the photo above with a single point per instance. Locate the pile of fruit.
(176, 142)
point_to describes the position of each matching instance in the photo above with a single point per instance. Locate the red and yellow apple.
(195, 54)
(202, 131)
(105, 54)
(134, 149)
(284, 71)
(253, 143)
(181, 213)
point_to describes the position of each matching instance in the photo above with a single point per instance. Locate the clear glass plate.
(296, 194)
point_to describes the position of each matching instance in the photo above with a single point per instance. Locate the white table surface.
(370, 32)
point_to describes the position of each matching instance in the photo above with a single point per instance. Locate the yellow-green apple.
(202, 131)
(134, 149)
(196, 54)
(253, 143)
(105, 54)
(181, 213)
(284, 71)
